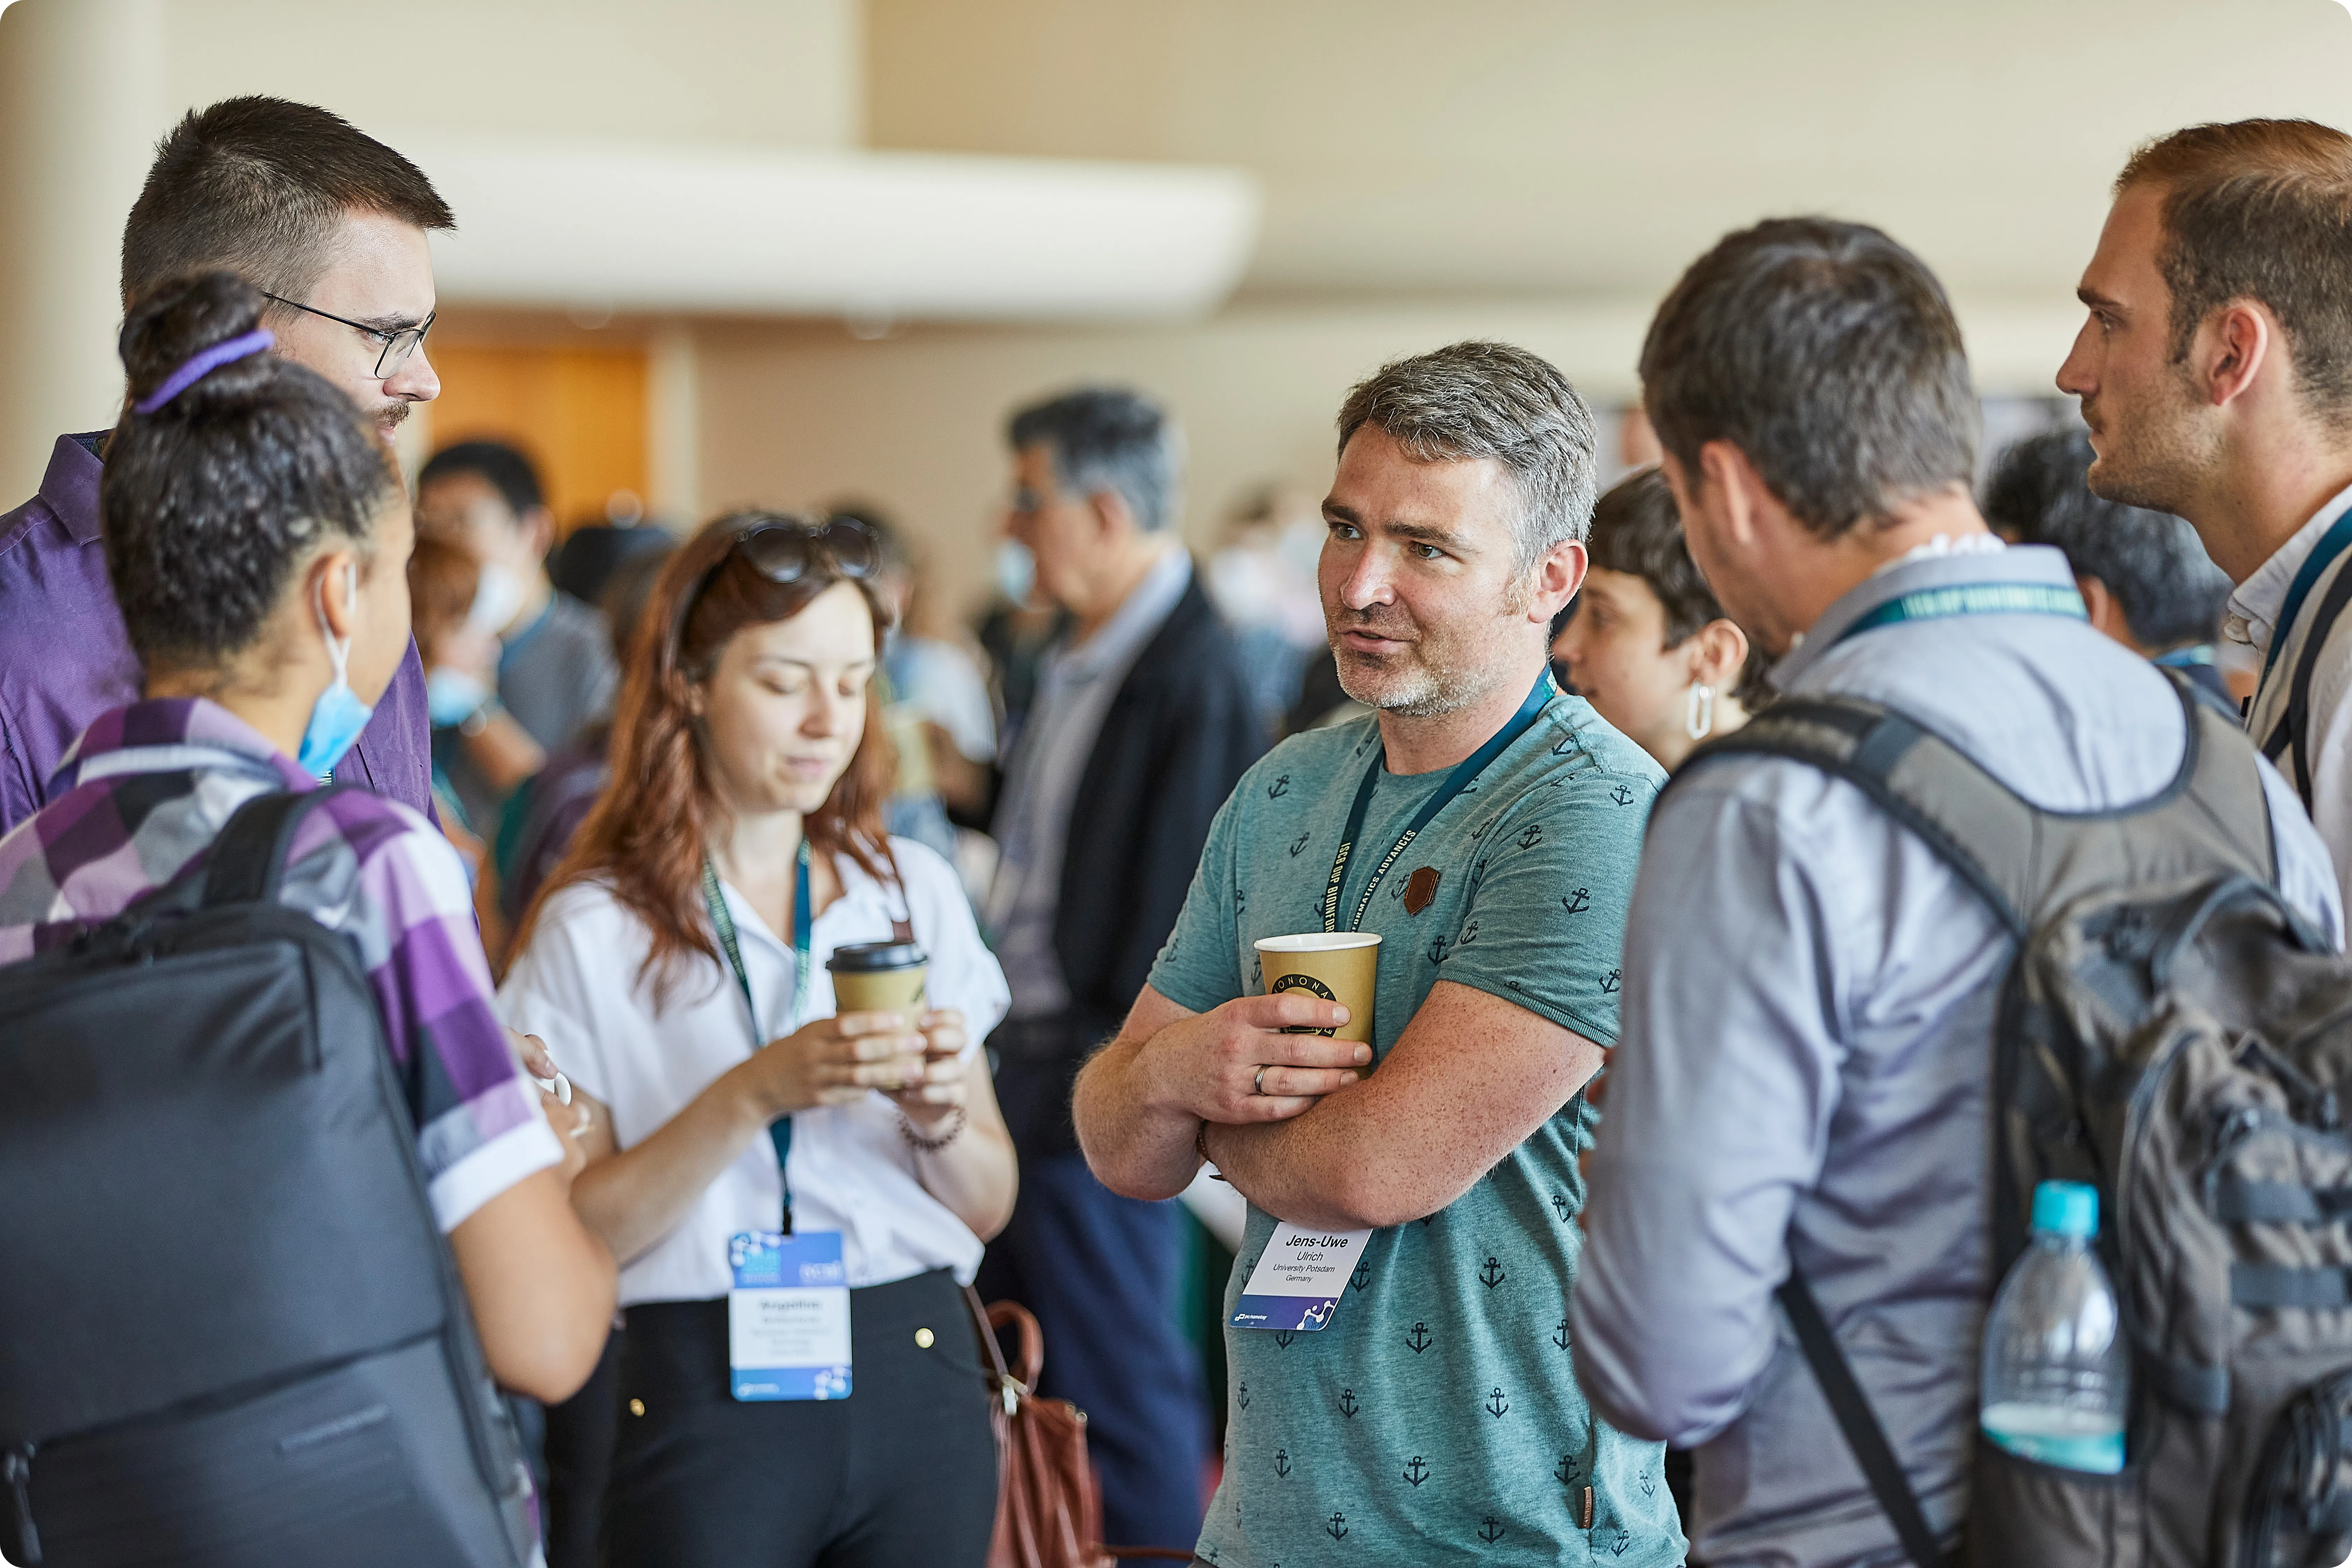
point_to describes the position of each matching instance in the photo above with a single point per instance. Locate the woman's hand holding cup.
(941, 1091)
(833, 1061)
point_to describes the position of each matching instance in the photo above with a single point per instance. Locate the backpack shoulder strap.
(2294, 725)
(1988, 834)
(1884, 1473)
(247, 861)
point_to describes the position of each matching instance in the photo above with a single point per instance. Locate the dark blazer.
(1176, 739)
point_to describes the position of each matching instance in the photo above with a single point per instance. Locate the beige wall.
(1591, 147)
(766, 72)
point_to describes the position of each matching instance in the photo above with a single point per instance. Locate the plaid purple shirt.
(146, 791)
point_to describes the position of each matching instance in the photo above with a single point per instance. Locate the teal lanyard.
(1455, 783)
(2332, 543)
(2191, 658)
(780, 1131)
(1972, 599)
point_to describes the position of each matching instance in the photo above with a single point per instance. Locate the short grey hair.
(1106, 438)
(1491, 400)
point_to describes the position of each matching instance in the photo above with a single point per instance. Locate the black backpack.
(230, 1331)
(2174, 1034)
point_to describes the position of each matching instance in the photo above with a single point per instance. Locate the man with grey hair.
(1485, 829)
(1142, 723)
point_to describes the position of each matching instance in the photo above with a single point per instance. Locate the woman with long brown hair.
(795, 1194)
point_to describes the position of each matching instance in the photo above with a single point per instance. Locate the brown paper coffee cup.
(1340, 966)
(880, 977)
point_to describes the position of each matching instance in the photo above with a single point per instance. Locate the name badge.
(788, 1316)
(1298, 1278)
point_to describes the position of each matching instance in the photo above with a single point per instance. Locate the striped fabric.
(145, 793)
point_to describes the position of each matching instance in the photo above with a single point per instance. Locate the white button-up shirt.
(578, 986)
(2254, 611)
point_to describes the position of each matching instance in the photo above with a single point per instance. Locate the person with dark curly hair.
(1645, 642)
(256, 536)
(329, 226)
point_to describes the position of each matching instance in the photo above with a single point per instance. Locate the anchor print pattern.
(1508, 1387)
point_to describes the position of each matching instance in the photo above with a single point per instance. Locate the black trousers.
(902, 1474)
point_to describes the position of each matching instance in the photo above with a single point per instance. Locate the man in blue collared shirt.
(332, 224)
(1803, 1074)
(1141, 725)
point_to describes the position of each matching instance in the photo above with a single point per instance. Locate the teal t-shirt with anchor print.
(1438, 1418)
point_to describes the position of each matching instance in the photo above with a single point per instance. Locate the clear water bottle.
(2057, 1371)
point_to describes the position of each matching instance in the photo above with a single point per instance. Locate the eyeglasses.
(397, 346)
(784, 550)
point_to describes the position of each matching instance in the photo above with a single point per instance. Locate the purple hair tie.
(204, 364)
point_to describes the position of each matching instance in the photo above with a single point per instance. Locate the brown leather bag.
(1048, 1512)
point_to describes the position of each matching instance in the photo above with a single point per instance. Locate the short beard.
(1430, 686)
(2151, 468)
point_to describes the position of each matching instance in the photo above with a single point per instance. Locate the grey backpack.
(2173, 1034)
(230, 1332)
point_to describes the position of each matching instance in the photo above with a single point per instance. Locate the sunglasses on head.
(785, 550)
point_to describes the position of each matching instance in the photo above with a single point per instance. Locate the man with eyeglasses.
(331, 225)
(1141, 725)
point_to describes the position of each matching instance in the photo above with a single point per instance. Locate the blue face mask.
(1016, 570)
(338, 716)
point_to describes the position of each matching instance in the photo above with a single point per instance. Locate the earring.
(1698, 716)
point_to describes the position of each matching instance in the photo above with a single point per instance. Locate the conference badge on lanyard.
(1299, 1278)
(787, 1316)
(788, 1310)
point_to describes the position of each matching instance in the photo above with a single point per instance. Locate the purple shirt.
(64, 658)
(145, 792)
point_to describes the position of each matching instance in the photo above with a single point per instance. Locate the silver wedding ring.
(1257, 1084)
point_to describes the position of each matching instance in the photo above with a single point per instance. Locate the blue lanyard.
(1971, 599)
(1460, 779)
(780, 1131)
(2331, 544)
(2190, 657)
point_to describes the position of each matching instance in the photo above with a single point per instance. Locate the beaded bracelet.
(956, 1119)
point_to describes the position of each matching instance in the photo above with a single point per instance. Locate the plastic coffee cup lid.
(877, 957)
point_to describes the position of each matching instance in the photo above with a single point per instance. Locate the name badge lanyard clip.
(780, 1131)
(1465, 772)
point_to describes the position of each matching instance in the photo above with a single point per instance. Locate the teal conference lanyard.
(780, 1131)
(2332, 543)
(1972, 599)
(1460, 779)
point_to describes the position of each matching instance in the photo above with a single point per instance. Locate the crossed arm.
(1471, 1076)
